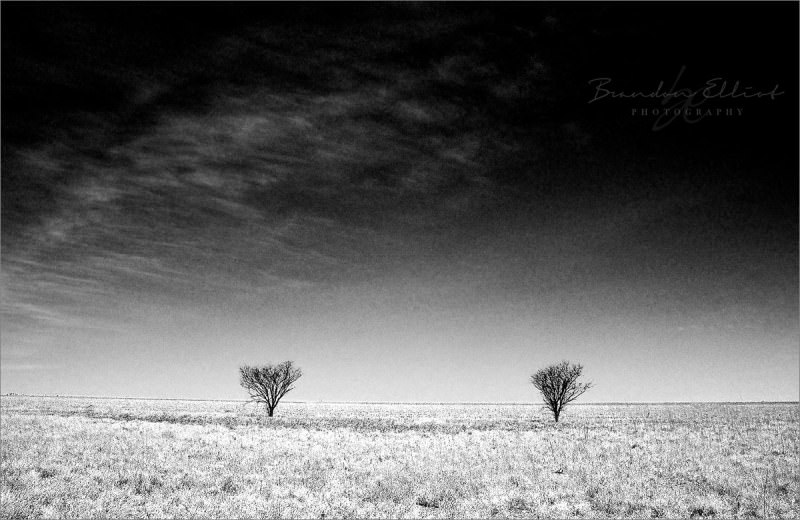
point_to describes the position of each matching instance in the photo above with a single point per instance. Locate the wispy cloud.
(297, 183)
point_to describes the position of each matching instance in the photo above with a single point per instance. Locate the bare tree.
(269, 383)
(559, 385)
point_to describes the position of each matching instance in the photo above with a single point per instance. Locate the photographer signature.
(679, 102)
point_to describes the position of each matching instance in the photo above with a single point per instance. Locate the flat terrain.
(71, 457)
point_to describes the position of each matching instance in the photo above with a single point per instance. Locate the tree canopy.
(269, 383)
(559, 385)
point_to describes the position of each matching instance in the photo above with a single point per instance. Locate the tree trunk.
(269, 412)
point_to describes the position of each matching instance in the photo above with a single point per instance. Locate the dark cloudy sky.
(412, 201)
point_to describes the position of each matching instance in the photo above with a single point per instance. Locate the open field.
(75, 457)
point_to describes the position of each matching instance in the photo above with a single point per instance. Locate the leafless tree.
(269, 383)
(559, 385)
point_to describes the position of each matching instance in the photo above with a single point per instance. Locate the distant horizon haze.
(431, 403)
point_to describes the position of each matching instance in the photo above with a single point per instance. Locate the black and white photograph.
(399, 260)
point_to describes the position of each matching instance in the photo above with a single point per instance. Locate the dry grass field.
(79, 458)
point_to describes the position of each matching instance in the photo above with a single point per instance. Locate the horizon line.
(508, 403)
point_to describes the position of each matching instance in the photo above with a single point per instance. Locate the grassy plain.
(80, 458)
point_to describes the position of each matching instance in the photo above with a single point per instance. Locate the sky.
(413, 202)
